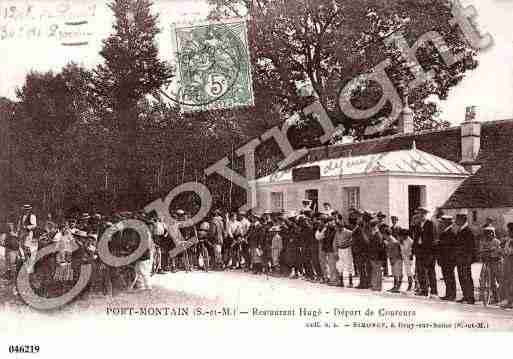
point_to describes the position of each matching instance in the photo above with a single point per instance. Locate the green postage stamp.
(214, 67)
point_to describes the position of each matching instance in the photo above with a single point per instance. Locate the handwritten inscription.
(341, 164)
(65, 22)
(16, 12)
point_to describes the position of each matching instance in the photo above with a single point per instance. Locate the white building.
(469, 167)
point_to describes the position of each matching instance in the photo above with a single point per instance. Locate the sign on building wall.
(310, 173)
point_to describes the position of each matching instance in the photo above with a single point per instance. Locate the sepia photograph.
(255, 177)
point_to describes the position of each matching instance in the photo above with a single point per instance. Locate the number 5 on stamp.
(214, 68)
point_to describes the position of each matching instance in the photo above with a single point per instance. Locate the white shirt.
(159, 228)
(328, 212)
(245, 225)
(233, 228)
(32, 221)
(319, 234)
(406, 248)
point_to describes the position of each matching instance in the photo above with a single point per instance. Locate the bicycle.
(485, 278)
(203, 253)
(157, 260)
(485, 283)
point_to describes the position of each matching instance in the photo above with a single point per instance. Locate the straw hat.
(275, 229)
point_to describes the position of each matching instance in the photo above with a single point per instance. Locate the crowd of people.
(319, 246)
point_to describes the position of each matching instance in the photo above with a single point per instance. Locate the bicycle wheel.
(156, 261)
(206, 258)
(485, 285)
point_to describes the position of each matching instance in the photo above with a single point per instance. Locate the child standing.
(406, 244)
(395, 257)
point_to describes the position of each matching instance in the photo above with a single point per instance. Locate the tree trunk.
(128, 167)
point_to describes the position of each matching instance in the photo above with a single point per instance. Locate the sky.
(489, 87)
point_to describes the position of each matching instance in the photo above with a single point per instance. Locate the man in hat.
(307, 207)
(217, 233)
(394, 227)
(488, 224)
(406, 244)
(447, 257)
(464, 251)
(187, 234)
(328, 250)
(327, 210)
(234, 233)
(381, 220)
(361, 234)
(161, 237)
(377, 255)
(343, 245)
(490, 252)
(320, 233)
(245, 226)
(26, 226)
(424, 249)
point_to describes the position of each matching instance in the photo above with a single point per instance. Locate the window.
(277, 202)
(353, 197)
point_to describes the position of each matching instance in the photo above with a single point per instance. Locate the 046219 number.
(23, 349)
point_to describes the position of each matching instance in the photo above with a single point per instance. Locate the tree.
(6, 114)
(326, 43)
(49, 105)
(132, 70)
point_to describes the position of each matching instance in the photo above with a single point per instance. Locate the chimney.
(406, 119)
(470, 140)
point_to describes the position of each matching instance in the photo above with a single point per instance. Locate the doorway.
(313, 195)
(416, 199)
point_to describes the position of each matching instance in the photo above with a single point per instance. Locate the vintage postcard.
(255, 177)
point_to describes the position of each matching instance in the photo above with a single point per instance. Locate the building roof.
(411, 161)
(491, 186)
(444, 143)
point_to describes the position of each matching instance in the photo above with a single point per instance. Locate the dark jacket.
(360, 242)
(465, 245)
(327, 242)
(255, 236)
(447, 245)
(309, 241)
(424, 238)
(377, 250)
